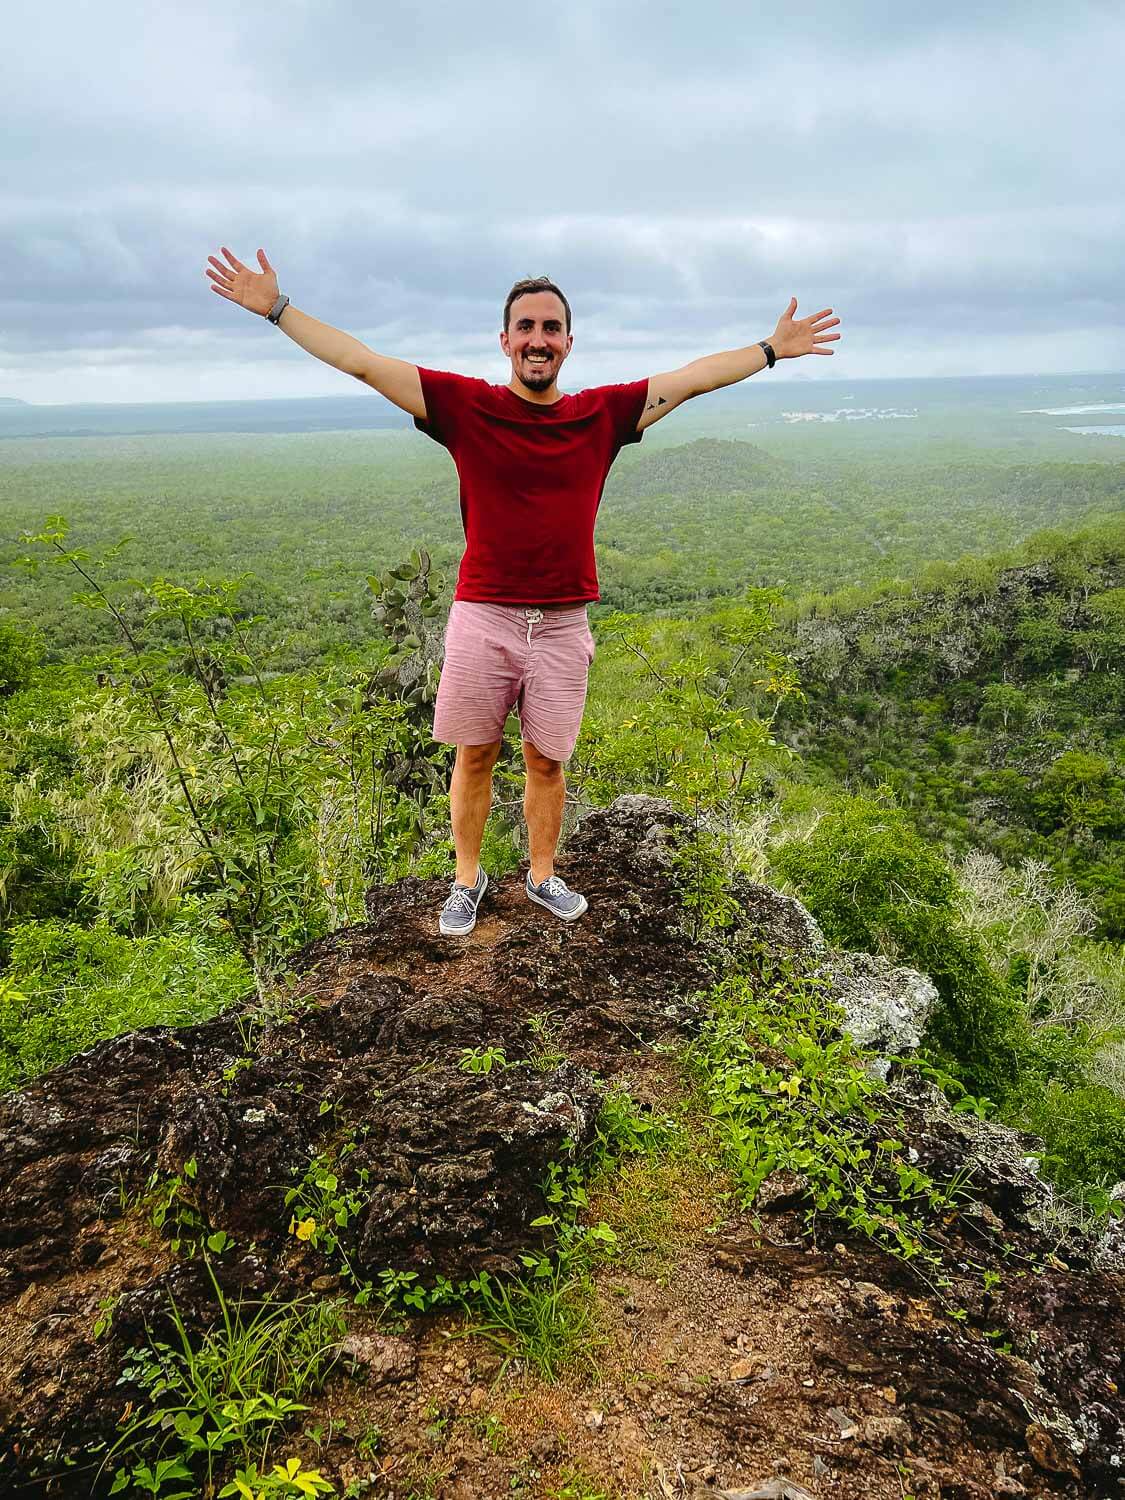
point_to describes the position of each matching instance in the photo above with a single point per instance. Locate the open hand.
(793, 337)
(238, 283)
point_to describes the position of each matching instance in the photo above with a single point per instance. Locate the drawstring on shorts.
(532, 616)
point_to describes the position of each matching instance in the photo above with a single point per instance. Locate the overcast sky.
(947, 177)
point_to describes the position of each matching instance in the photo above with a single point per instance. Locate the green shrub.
(1083, 1130)
(68, 987)
(786, 1089)
(874, 884)
(228, 1393)
(20, 656)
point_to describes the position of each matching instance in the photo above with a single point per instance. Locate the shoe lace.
(554, 885)
(460, 899)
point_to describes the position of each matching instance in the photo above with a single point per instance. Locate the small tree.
(407, 604)
(1002, 706)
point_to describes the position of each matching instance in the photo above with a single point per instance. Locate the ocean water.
(1110, 429)
(1076, 411)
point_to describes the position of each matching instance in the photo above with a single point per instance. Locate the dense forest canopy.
(310, 515)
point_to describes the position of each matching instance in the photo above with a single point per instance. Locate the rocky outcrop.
(439, 1080)
(886, 1007)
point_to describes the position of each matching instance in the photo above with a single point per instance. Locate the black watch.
(277, 309)
(771, 357)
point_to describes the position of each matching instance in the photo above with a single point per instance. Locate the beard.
(535, 378)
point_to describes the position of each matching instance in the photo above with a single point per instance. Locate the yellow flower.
(304, 1229)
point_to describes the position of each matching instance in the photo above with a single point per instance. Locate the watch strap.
(771, 357)
(277, 309)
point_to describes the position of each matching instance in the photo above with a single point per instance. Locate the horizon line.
(818, 380)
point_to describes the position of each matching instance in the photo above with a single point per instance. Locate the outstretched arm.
(257, 292)
(789, 340)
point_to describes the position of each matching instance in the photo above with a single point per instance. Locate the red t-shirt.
(531, 482)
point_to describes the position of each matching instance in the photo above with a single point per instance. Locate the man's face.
(536, 339)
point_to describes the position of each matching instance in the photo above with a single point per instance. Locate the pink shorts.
(504, 656)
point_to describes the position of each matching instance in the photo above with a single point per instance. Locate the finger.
(234, 260)
(824, 351)
(224, 281)
(221, 293)
(825, 338)
(263, 262)
(222, 270)
(792, 308)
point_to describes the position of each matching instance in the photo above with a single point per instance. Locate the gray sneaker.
(459, 914)
(557, 897)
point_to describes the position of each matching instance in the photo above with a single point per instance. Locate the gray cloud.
(947, 182)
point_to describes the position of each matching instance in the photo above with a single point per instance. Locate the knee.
(477, 760)
(541, 765)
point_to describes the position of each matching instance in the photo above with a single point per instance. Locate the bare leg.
(470, 798)
(543, 800)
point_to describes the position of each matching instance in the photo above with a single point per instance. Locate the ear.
(504, 344)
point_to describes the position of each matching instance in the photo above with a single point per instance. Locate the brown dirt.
(734, 1356)
(741, 1363)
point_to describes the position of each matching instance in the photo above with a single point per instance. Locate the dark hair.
(533, 284)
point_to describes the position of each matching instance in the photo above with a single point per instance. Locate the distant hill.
(13, 401)
(712, 465)
(988, 700)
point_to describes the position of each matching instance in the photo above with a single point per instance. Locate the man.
(532, 464)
